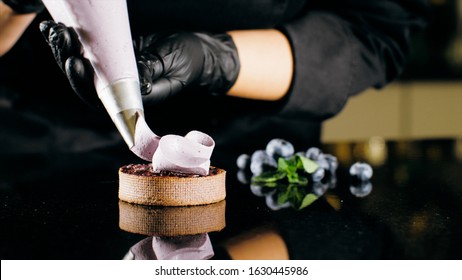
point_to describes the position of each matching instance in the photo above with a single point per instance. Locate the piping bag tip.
(125, 122)
(122, 100)
(136, 133)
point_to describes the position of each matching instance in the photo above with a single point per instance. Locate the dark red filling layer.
(146, 170)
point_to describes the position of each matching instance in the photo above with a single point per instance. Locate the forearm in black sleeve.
(342, 47)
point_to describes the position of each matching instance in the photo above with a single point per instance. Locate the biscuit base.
(172, 190)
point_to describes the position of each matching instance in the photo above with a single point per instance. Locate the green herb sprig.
(291, 177)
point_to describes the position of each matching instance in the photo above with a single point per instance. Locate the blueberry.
(258, 167)
(318, 175)
(313, 153)
(260, 162)
(243, 161)
(361, 190)
(332, 161)
(279, 148)
(258, 154)
(361, 170)
(322, 162)
(261, 155)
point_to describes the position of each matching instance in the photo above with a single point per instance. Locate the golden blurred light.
(359, 150)
(375, 151)
(334, 201)
(458, 149)
(418, 223)
(262, 243)
(343, 152)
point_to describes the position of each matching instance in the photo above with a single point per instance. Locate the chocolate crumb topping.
(146, 170)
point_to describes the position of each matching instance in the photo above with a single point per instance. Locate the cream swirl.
(187, 154)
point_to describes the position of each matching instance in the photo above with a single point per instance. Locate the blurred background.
(425, 103)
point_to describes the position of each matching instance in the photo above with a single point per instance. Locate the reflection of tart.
(171, 221)
(139, 184)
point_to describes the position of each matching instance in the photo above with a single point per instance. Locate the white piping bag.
(103, 28)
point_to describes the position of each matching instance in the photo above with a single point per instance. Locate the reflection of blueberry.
(313, 153)
(319, 188)
(272, 203)
(243, 161)
(361, 190)
(243, 177)
(361, 170)
(261, 191)
(279, 148)
(318, 175)
(332, 183)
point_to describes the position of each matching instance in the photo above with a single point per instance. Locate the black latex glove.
(166, 63)
(25, 6)
(68, 52)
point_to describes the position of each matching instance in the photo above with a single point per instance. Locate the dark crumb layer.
(146, 170)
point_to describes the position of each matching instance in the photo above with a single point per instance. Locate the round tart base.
(137, 184)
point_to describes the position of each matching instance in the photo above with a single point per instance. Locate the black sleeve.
(343, 47)
(25, 6)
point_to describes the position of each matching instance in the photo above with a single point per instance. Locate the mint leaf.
(307, 200)
(307, 164)
(287, 165)
(283, 197)
(297, 179)
(293, 178)
(269, 184)
(269, 176)
(283, 165)
(302, 181)
(289, 194)
(288, 168)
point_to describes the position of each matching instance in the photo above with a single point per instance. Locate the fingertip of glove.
(81, 81)
(44, 25)
(74, 67)
(145, 87)
(44, 28)
(73, 64)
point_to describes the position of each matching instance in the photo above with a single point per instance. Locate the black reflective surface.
(411, 210)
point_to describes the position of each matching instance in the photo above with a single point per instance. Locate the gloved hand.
(68, 53)
(166, 63)
(25, 6)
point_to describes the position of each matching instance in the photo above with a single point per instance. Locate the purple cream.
(189, 154)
